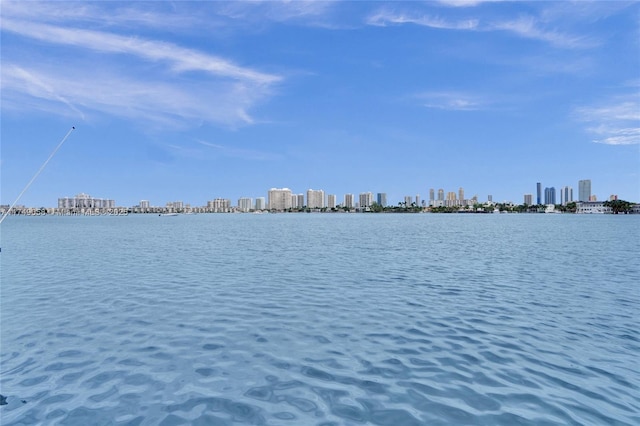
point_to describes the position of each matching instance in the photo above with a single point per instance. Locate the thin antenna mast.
(37, 173)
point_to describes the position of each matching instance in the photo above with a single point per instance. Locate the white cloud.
(614, 123)
(161, 82)
(465, 3)
(528, 27)
(525, 27)
(145, 100)
(384, 18)
(181, 59)
(454, 101)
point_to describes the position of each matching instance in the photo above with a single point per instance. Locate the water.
(310, 319)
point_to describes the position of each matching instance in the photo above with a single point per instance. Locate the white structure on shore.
(84, 201)
(279, 199)
(315, 199)
(592, 207)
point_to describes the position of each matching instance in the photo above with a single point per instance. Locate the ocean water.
(320, 319)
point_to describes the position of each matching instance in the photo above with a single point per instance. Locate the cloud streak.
(181, 59)
(384, 18)
(526, 27)
(616, 123)
(452, 101)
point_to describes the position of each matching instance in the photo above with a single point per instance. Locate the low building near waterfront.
(592, 207)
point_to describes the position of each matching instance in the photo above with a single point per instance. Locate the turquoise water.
(320, 319)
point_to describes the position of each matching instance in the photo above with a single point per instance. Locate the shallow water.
(310, 319)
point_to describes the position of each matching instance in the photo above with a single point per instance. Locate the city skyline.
(199, 100)
(318, 198)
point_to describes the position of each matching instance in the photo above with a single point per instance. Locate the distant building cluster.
(284, 200)
(565, 195)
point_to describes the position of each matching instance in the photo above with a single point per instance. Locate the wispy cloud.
(162, 82)
(529, 27)
(181, 59)
(526, 27)
(383, 18)
(465, 3)
(614, 123)
(148, 100)
(453, 101)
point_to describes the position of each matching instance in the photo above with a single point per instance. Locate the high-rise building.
(331, 201)
(261, 203)
(440, 194)
(584, 190)
(528, 199)
(550, 195)
(431, 196)
(417, 199)
(365, 199)
(566, 195)
(218, 205)
(381, 199)
(144, 204)
(245, 204)
(348, 201)
(539, 193)
(490, 198)
(461, 194)
(279, 199)
(85, 201)
(315, 198)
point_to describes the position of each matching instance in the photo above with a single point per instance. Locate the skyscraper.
(331, 201)
(528, 199)
(365, 199)
(348, 200)
(461, 194)
(431, 196)
(584, 190)
(566, 195)
(279, 199)
(244, 204)
(550, 195)
(440, 194)
(539, 193)
(315, 199)
(382, 199)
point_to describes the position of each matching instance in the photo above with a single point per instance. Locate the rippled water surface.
(321, 319)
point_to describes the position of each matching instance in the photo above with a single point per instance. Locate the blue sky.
(193, 101)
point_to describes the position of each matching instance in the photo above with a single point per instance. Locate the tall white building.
(85, 201)
(279, 199)
(261, 204)
(245, 204)
(584, 190)
(297, 201)
(331, 201)
(348, 201)
(219, 205)
(528, 199)
(315, 198)
(365, 199)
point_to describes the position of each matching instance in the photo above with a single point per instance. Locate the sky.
(192, 101)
